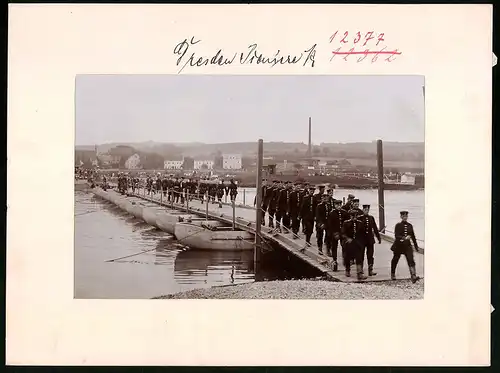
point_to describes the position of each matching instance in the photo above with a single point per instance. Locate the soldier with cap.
(294, 209)
(307, 214)
(273, 202)
(220, 192)
(322, 212)
(335, 221)
(355, 206)
(348, 204)
(282, 207)
(264, 202)
(370, 230)
(352, 232)
(404, 234)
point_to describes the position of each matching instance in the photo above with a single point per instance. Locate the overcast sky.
(225, 108)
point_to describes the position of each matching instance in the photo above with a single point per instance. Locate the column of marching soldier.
(289, 205)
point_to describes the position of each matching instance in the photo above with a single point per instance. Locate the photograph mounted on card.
(173, 167)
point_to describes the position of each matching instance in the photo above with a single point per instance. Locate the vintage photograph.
(249, 187)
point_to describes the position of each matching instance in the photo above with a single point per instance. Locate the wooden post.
(380, 166)
(258, 205)
(161, 196)
(244, 195)
(187, 202)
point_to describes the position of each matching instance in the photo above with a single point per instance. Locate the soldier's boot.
(359, 269)
(393, 270)
(413, 273)
(348, 269)
(370, 270)
(335, 266)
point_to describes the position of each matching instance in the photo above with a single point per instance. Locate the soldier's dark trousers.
(263, 209)
(308, 229)
(402, 249)
(286, 220)
(271, 218)
(328, 240)
(279, 217)
(319, 237)
(369, 249)
(295, 222)
(333, 247)
(353, 251)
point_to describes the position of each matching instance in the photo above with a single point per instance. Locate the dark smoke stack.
(309, 153)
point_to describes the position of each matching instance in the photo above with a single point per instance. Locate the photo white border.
(50, 44)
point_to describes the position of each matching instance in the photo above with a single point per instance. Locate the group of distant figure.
(289, 205)
(181, 189)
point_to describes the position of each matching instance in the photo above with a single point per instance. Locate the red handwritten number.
(368, 37)
(344, 38)
(333, 36)
(358, 36)
(380, 38)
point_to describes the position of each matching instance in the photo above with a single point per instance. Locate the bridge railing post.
(234, 213)
(187, 202)
(244, 197)
(206, 205)
(258, 206)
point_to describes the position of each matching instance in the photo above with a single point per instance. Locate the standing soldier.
(202, 189)
(264, 201)
(233, 190)
(403, 233)
(348, 204)
(282, 207)
(164, 186)
(220, 192)
(302, 194)
(322, 212)
(272, 198)
(355, 206)
(307, 211)
(352, 232)
(158, 183)
(294, 209)
(335, 221)
(370, 230)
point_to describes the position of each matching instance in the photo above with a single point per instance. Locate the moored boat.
(218, 238)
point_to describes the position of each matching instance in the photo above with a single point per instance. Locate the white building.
(133, 162)
(203, 164)
(231, 161)
(408, 179)
(173, 165)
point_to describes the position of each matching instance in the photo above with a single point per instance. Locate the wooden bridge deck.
(245, 220)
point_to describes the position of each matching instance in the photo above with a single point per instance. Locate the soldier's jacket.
(233, 189)
(353, 229)
(370, 229)
(307, 209)
(322, 214)
(401, 230)
(158, 184)
(220, 190)
(164, 184)
(267, 195)
(273, 203)
(294, 202)
(336, 220)
(283, 200)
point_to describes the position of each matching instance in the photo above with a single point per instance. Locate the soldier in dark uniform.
(307, 214)
(302, 193)
(220, 192)
(233, 190)
(264, 201)
(355, 206)
(164, 186)
(328, 232)
(202, 189)
(370, 230)
(403, 233)
(335, 221)
(322, 212)
(212, 191)
(352, 232)
(192, 189)
(294, 209)
(282, 207)
(158, 183)
(348, 204)
(273, 202)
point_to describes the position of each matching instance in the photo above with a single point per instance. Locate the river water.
(103, 232)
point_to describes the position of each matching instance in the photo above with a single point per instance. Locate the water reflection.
(193, 266)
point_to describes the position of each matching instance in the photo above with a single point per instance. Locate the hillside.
(363, 150)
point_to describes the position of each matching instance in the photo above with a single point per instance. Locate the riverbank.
(308, 289)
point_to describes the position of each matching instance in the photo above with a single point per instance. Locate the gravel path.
(308, 289)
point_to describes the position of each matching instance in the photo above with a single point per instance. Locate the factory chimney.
(309, 152)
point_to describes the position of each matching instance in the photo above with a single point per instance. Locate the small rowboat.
(218, 238)
(166, 221)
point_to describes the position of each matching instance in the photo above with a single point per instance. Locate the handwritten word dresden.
(361, 44)
(250, 56)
